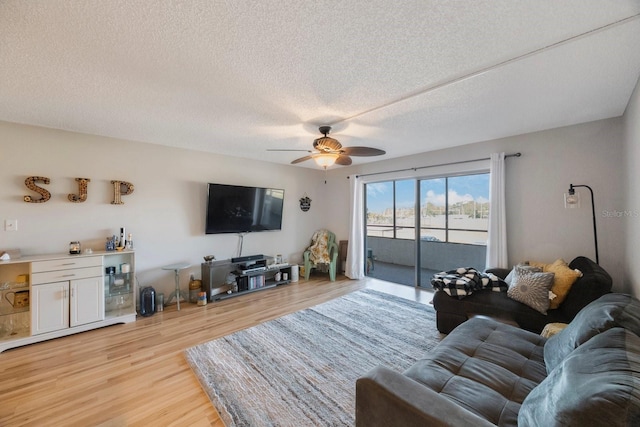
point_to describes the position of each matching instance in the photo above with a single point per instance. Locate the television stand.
(250, 276)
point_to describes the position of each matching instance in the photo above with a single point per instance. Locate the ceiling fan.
(329, 151)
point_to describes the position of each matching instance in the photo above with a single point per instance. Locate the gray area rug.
(301, 369)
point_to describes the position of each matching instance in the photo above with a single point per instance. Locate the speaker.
(147, 301)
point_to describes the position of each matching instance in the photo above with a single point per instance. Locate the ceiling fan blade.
(301, 159)
(343, 160)
(287, 149)
(363, 151)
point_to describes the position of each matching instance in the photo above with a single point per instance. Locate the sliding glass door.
(391, 230)
(418, 227)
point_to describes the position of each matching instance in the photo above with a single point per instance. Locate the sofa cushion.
(597, 384)
(608, 311)
(484, 366)
(594, 283)
(531, 288)
(495, 304)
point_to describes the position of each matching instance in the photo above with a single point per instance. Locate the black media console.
(239, 276)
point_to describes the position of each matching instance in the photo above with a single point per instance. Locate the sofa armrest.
(594, 283)
(387, 398)
(500, 272)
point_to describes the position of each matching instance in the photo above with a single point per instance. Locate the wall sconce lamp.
(572, 201)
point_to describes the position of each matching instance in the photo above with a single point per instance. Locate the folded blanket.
(464, 281)
(319, 248)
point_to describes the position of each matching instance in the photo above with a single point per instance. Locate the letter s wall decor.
(30, 183)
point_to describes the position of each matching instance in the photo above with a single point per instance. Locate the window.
(380, 209)
(391, 209)
(455, 209)
(452, 209)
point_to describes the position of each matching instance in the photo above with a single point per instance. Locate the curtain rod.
(433, 166)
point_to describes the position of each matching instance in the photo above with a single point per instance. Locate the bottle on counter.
(194, 289)
(202, 298)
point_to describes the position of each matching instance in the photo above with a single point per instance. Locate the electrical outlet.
(10, 225)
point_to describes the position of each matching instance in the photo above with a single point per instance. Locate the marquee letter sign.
(82, 190)
(30, 183)
(121, 188)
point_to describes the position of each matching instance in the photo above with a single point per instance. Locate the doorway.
(415, 228)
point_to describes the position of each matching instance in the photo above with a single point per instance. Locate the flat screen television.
(239, 209)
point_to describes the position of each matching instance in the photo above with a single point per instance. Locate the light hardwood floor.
(135, 374)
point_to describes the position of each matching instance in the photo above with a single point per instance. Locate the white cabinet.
(87, 301)
(63, 304)
(49, 307)
(67, 294)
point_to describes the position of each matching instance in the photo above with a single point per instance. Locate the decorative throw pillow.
(531, 288)
(563, 279)
(540, 265)
(524, 266)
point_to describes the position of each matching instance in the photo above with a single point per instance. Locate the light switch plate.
(10, 225)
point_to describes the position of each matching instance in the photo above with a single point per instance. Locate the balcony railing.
(434, 255)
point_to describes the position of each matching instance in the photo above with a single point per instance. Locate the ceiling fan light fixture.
(326, 159)
(326, 143)
(329, 151)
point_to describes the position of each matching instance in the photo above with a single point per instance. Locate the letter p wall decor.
(121, 188)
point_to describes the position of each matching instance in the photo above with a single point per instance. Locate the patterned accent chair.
(322, 252)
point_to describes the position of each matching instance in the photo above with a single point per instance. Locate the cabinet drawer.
(65, 264)
(70, 274)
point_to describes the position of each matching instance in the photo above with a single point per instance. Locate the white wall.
(631, 120)
(166, 211)
(539, 227)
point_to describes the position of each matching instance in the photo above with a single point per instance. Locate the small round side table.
(176, 269)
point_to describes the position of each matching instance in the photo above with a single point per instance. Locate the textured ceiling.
(239, 77)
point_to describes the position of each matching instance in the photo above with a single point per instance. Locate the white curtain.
(355, 254)
(497, 242)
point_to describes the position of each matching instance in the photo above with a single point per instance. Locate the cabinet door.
(87, 301)
(50, 307)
